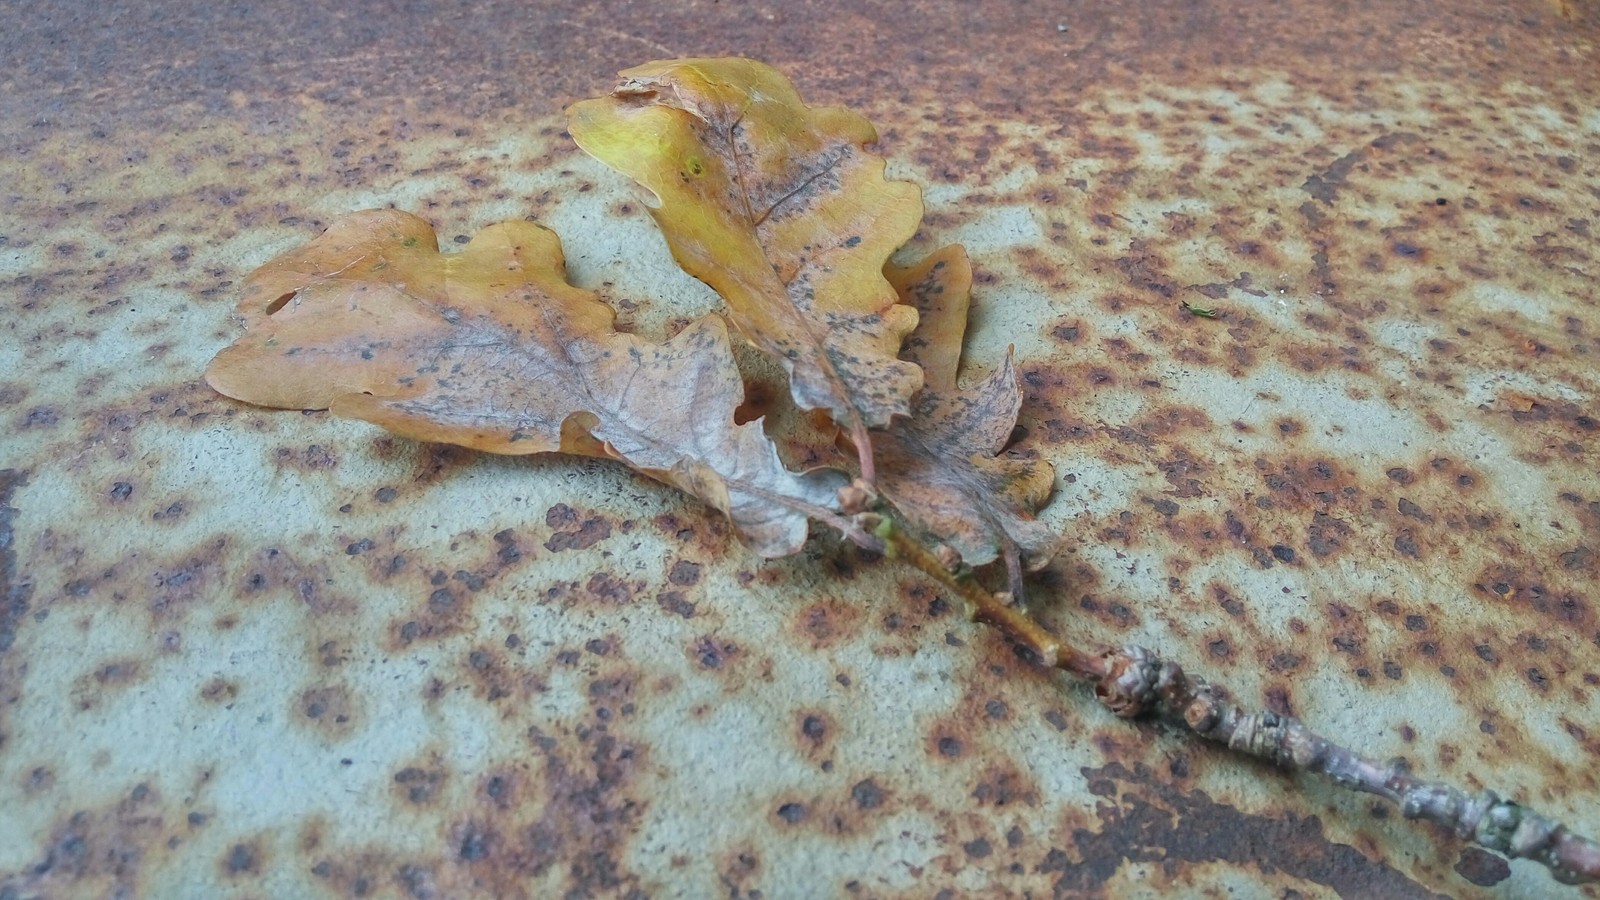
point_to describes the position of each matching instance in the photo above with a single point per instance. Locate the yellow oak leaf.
(780, 208)
(492, 349)
(943, 466)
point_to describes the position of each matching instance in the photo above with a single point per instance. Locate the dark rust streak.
(13, 593)
(14, 597)
(1153, 822)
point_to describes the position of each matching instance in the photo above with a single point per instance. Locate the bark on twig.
(1134, 682)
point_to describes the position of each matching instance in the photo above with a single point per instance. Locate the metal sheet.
(246, 653)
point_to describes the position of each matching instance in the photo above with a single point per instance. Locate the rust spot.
(101, 851)
(792, 813)
(105, 681)
(868, 795)
(587, 817)
(675, 603)
(508, 550)
(712, 653)
(475, 841)
(438, 461)
(38, 780)
(741, 866)
(1406, 543)
(419, 785)
(575, 535)
(1481, 867)
(219, 690)
(242, 861)
(684, 573)
(313, 458)
(815, 733)
(277, 574)
(1068, 332)
(1578, 558)
(332, 711)
(1004, 786)
(1153, 822)
(822, 625)
(708, 533)
(609, 589)
(977, 848)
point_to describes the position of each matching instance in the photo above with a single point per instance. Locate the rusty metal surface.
(251, 654)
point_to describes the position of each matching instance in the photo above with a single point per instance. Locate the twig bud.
(857, 497)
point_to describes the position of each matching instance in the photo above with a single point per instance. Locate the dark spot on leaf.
(281, 302)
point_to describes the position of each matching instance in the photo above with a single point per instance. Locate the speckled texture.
(256, 654)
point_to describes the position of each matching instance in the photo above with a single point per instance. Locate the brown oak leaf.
(942, 467)
(778, 207)
(492, 349)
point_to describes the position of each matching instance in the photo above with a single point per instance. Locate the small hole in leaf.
(281, 302)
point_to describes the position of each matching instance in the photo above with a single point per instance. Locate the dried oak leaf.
(940, 288)
(492, 349)
(778, 207)
(941, 467)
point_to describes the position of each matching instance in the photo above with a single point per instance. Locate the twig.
(1133, 682)
(1136, 681)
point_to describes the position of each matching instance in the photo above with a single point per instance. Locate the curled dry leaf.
(940, 289)
(492, 349)
(941, 467)
(778, 207)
